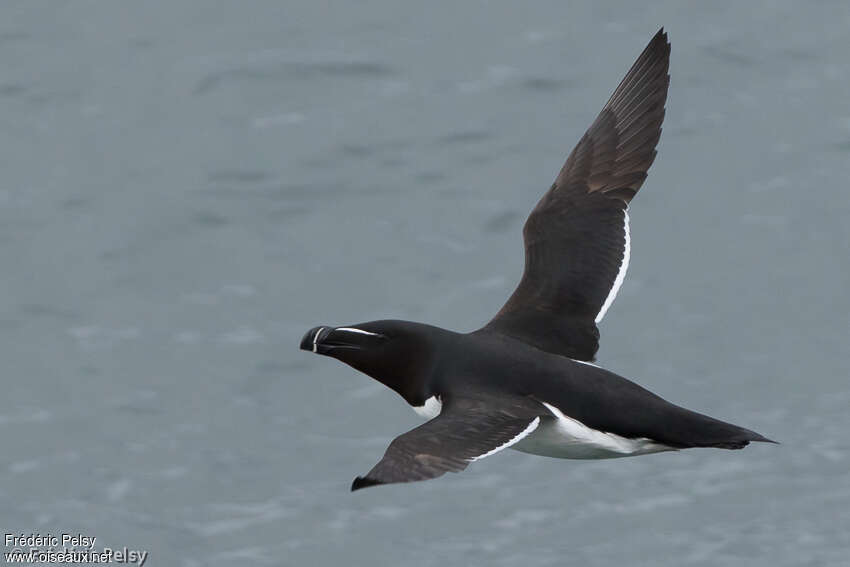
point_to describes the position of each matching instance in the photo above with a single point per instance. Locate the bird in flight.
(526, 380)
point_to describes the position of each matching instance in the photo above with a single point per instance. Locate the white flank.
(519, 437)
(356, 330)
(430, 409)
(568, 438)
(316, 337)
(621, 274)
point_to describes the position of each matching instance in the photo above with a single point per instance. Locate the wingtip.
(660, 43)
(364, 482)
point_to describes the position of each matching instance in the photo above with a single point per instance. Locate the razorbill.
(525, 380)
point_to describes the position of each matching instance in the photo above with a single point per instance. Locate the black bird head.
(398, 354)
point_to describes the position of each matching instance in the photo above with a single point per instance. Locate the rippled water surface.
(186, 188)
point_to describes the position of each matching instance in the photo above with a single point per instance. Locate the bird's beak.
(313, 338)
(324, 340)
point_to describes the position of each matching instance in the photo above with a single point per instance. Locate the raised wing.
(468, 428)
(577, 237)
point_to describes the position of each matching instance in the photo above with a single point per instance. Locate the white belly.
(567, 438)
(430, 409)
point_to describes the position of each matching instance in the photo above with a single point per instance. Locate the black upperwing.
(469, 427)
(577, 237)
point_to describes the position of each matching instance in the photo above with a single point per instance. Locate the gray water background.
(187, 187)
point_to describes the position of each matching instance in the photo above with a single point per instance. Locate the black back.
(594, 396)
